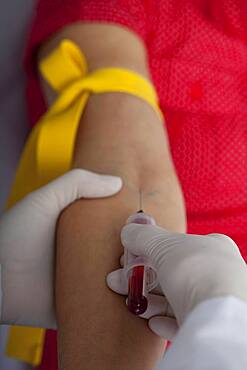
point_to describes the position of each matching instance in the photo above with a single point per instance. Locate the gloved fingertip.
(94, 185)
(121, 260)
(137, 237)
(164, 327)
(129, 234)
(112, 184)
(110, 278)
(115, 282)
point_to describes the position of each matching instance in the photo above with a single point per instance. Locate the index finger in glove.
(145, 239)
(157, 305)
(164, 327)
(74, 185)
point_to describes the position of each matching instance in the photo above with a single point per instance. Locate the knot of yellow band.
(66, 71)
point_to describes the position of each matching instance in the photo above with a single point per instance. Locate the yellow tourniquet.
(48, 152)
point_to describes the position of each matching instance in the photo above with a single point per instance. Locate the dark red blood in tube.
(137, 302)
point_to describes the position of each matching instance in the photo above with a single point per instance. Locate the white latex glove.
(191, 269)
(27, 234)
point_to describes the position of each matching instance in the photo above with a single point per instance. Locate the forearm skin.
(95, 327)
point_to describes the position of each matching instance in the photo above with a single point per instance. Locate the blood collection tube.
(140, 274)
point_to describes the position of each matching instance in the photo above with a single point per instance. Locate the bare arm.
(120, 135)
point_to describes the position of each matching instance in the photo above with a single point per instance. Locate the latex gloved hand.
(27, 235)
(191, 269)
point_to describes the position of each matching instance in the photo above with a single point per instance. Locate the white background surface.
(15, 17)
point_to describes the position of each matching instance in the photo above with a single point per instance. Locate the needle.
(140, 202)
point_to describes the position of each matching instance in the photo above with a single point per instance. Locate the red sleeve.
(52, 15)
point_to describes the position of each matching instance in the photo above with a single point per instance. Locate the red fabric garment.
(198, 59)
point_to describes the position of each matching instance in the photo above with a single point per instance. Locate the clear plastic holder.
(138, 272)
(150, 271)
